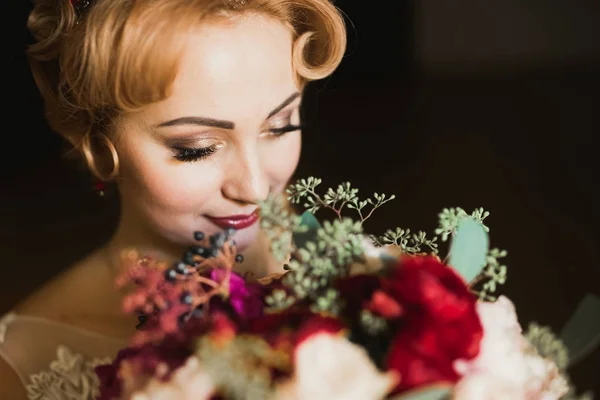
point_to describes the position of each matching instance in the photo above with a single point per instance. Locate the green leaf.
(468, 253)
(428, 393)
(581, 333)
(301, 238)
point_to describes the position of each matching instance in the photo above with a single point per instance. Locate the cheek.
(163, 183)
(282, 160)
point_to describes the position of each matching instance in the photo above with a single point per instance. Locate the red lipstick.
(236, 221)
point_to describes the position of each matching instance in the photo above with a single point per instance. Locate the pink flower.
(245, 298)
(507, 365)
(328, 366)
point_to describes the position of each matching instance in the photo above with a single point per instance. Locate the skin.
(238, 71)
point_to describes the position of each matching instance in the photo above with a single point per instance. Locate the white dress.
(55, 361)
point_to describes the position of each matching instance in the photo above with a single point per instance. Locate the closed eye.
(191, 154)
(277, 132)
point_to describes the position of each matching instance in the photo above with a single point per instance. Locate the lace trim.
(70, 377)
(4, 322)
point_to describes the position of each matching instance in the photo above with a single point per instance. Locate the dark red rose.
(357, 290)
(438, 323)
(384, 305)
(318, 324)
(110, 383)
(144, 360)
(290, 328)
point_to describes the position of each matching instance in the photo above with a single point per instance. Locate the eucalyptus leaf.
(468, 252)
(310, 221)
(428, 393)
(581, 333)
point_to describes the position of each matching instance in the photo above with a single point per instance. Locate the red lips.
(236, 221)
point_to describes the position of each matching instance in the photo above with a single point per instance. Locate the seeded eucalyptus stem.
(336, 244)
(344, 195)
(380, 201)
(329, 206)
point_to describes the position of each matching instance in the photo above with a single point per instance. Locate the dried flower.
(169, 296)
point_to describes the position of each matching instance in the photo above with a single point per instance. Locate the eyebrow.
(283, 105)
(223, 124)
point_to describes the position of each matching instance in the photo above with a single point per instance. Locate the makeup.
(235, 221)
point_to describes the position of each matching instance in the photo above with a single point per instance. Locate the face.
(228, 135)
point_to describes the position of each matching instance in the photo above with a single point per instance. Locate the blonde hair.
(88, 69)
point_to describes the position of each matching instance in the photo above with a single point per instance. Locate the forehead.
(233, 70)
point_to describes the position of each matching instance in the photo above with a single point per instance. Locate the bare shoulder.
(64, 293)
(10, 384)
(83, 296)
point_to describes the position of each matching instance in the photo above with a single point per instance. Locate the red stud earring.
(100, 187)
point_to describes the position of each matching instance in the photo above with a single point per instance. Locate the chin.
(244, 238)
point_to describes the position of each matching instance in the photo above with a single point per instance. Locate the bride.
(192, 108)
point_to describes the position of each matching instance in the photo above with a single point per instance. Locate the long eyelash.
(285, 129)
(188, 154)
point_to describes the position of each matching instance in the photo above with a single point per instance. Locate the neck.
(134, 236)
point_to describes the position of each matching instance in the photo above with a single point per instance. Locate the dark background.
(444, 103)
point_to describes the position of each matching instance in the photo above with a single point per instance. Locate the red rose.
(357, 291)
(438, 323)
(384, 305)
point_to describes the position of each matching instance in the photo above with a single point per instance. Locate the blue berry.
(199, 235)
(188, 258)
(186, 298)
(218, 240)
(230, 232)
(171, 275)
(182, 318)
(141, 321)
(199, 250)
(181, 268)
(198, 312)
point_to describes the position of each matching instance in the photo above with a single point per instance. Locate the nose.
(246, 179)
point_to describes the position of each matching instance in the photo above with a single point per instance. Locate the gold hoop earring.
(86, 148)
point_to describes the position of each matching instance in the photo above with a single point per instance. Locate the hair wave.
(88, 69)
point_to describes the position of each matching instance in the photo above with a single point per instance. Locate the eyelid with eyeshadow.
(191, 154)
(191, 150)
(281, 120)
(193, 142)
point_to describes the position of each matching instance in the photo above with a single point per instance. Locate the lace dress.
(55, 361)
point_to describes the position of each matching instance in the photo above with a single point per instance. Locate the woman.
(191, 107)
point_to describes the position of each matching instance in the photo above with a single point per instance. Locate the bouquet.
(351, 317)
